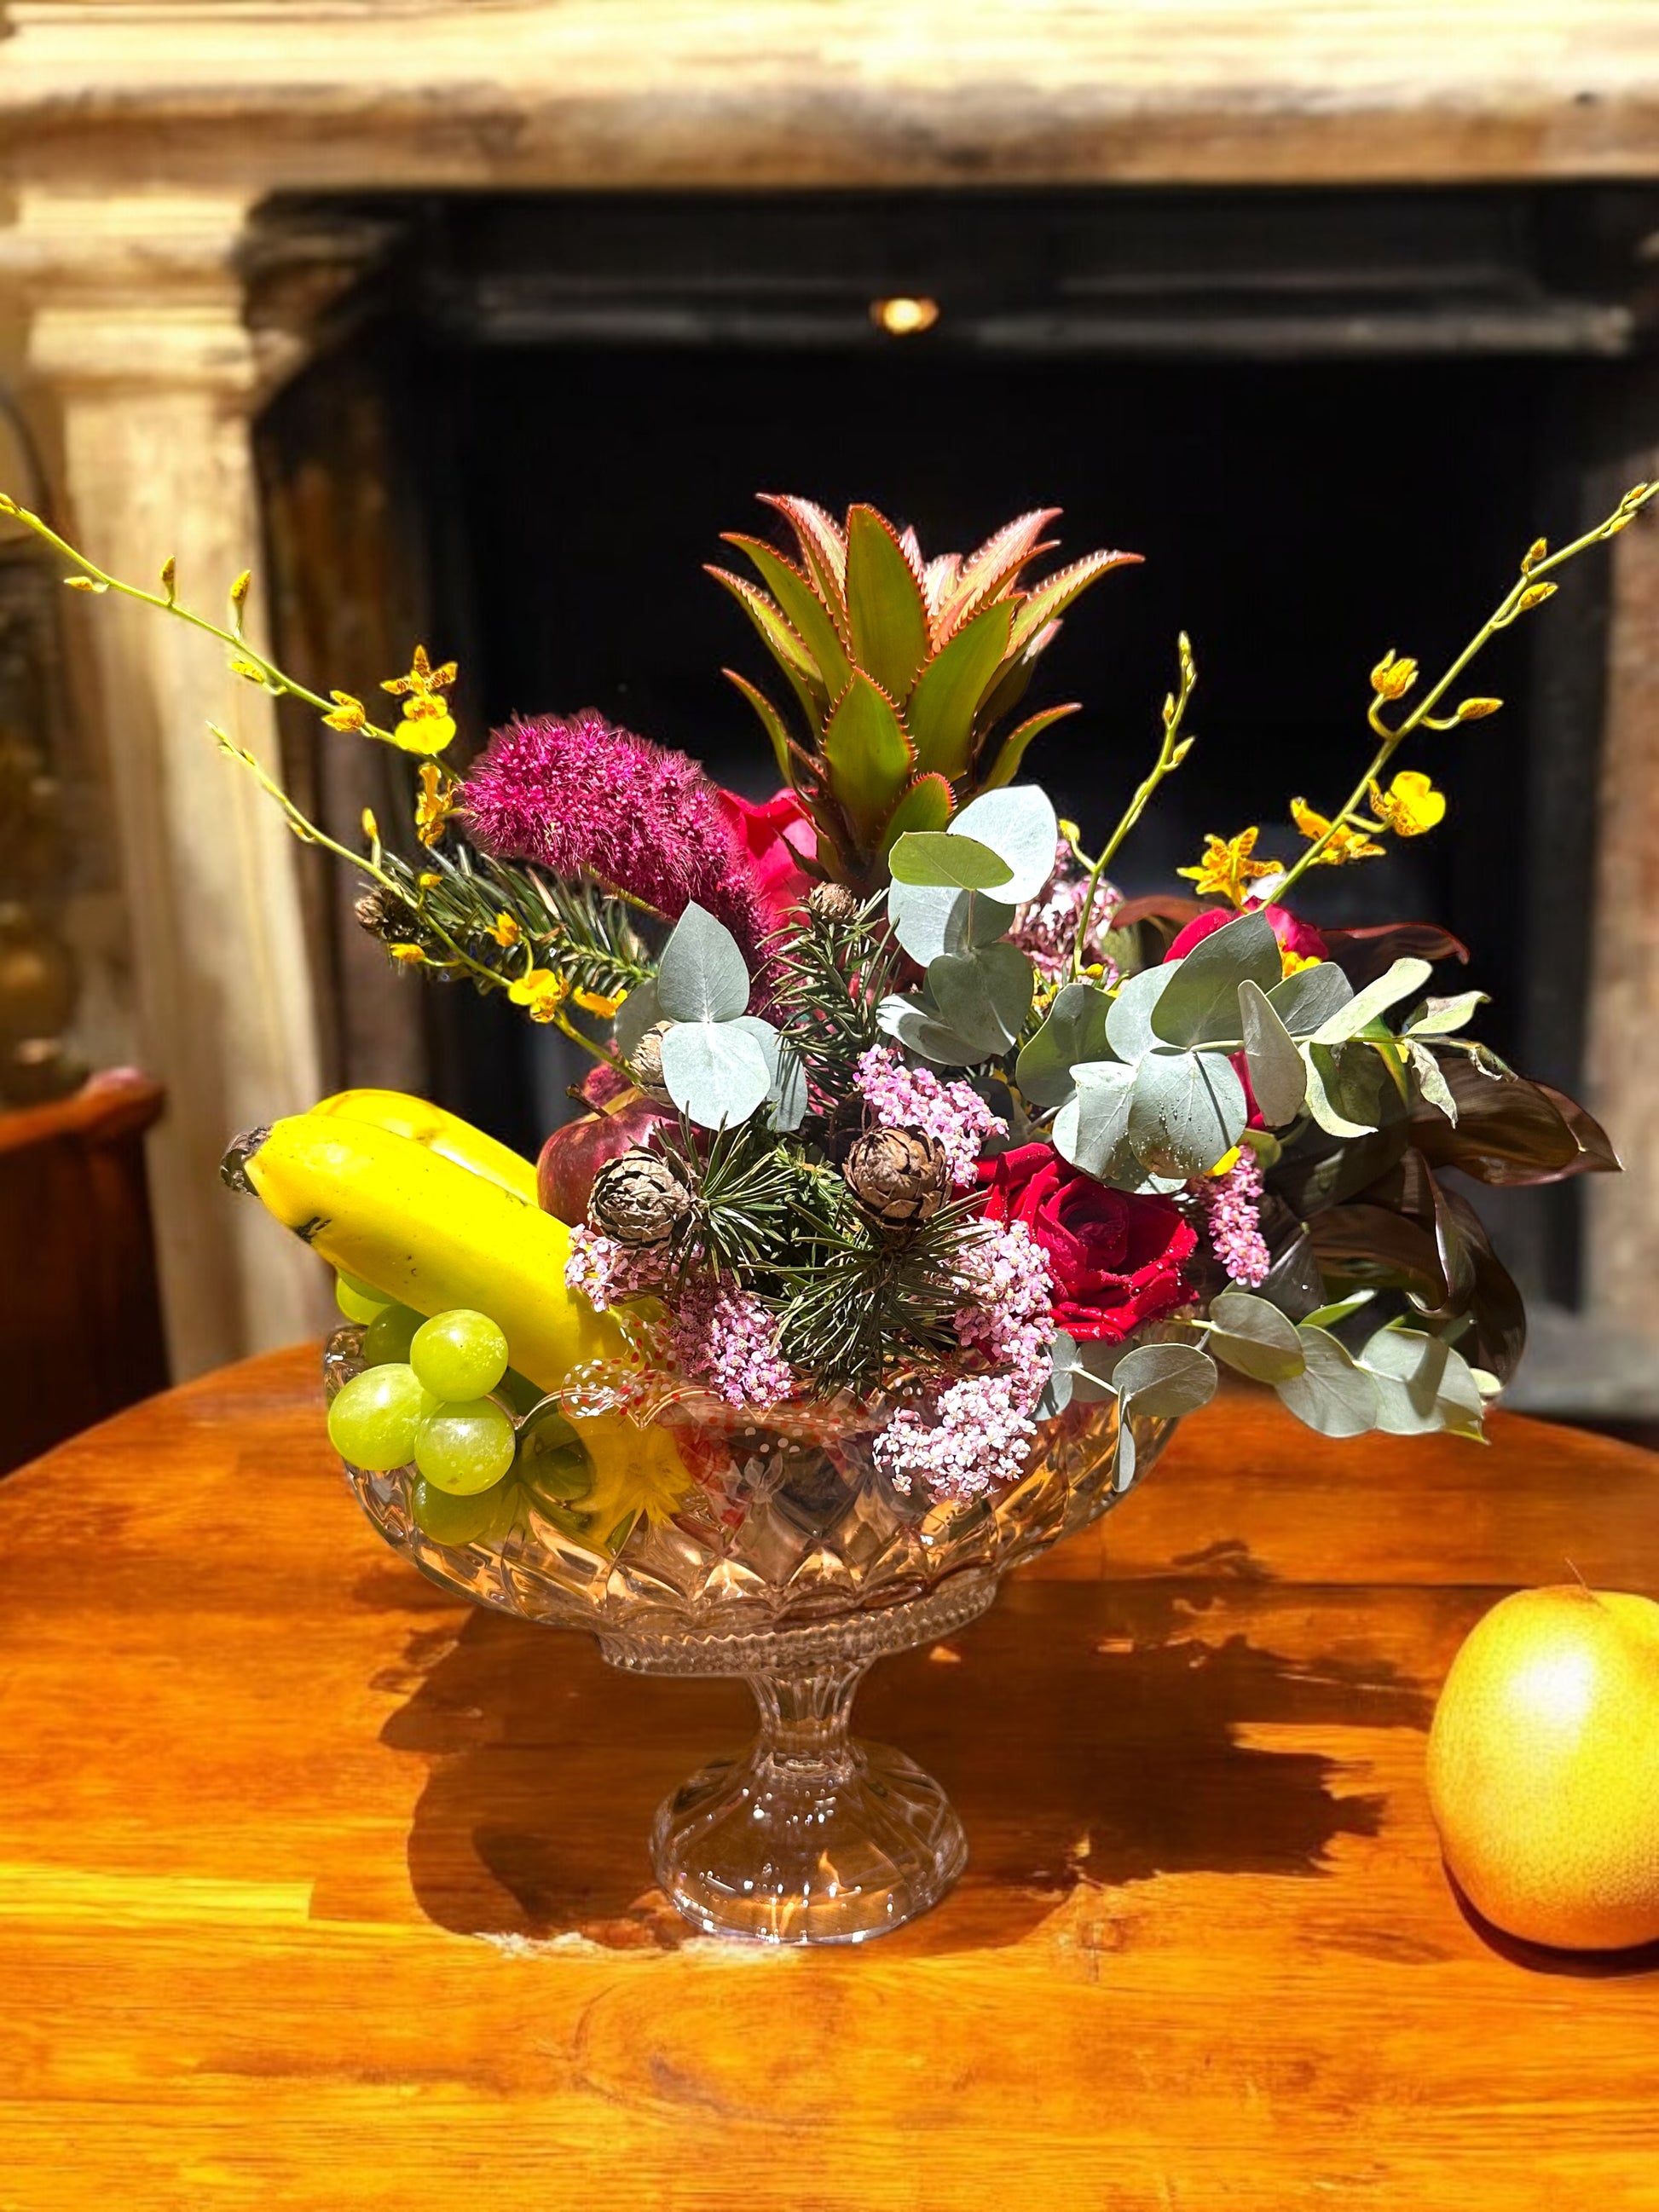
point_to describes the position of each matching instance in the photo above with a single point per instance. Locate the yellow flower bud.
(1392, 678)
(371, 827)
(411, 955)
(1533, 554)
(85, 583)
(1476, 710)
(240, 589)
(1536, 595)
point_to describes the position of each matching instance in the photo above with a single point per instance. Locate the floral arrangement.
(896, 1103)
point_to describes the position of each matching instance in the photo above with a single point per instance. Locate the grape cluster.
(431, 1398)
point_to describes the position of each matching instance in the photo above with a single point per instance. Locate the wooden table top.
(319, 1889)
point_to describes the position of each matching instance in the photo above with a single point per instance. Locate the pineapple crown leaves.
(901, 668)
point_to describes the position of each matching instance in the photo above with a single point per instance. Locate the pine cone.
(831, 903)
(645, 1063)
(638, 1199)
(900, 1177)
(386, 917)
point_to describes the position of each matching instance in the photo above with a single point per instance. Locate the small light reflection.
(903, 318)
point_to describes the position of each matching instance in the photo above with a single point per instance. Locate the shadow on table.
(1084, 1732)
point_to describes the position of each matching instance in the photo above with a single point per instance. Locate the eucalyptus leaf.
(1164, 1381)
(1422, 1385)
(943, 859)
(1328, 1316)
(701, 976)
(1019, 824)
(1201, 1000)
(638, 1013)
(1446, 1016)
(1256, 1338)
(1320, 1075)
(715, 1072)
(1129, 1018)
(1310, 996)
(1057, 1390)
(1405, 976)
(1187, 1110)
(929, 919)
(787, 1089)
(984, 995)
(1432, 1083)
(915, 1024)
(1073, 1029)
(1333, 1395)
(1091, 1128)
(1278, 1076)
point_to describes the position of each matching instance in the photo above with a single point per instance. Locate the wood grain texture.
(317, 1889)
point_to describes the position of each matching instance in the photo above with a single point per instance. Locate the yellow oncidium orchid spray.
(1394, 676)
(1229, 867)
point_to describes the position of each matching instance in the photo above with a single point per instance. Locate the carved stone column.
(136, 324)
(1624, 1046)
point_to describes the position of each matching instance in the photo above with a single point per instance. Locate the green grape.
(474, 1518)
(389, 1335)
(373, 1420)
(553, 1460)
(459, 1355)
(356, 1301)
(464, 1447)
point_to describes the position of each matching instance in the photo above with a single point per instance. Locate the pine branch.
(863, 1304)
(828, 979)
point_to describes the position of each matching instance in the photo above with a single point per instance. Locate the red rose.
(775, 836)
(1114, 1255)
(1300, 938)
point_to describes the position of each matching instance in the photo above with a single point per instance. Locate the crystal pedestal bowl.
(793, 1560)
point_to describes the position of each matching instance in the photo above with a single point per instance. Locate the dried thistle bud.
(637, 1198)
(386, 917)
(645, 1063)
(831, 903)
(898, 1176)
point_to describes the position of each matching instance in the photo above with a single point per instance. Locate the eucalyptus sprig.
(1394, 678)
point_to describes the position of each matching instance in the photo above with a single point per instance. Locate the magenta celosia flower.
(581, 798)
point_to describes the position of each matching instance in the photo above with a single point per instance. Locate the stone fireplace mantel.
(139, 137)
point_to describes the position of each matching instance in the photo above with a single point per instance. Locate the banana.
(440, 1131)
(411, 1223)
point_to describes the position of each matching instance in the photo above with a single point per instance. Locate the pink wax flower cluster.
(728, 1340)
(903, 1098)
(978, 1433)
(1233, 1202)
(583, 798)
(1045, 931)
(605, 1271)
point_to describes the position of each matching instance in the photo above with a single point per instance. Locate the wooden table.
(317, 1889)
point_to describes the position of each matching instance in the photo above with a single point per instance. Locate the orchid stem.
(1171, 754)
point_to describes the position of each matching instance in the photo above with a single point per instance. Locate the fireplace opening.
(1330, 423)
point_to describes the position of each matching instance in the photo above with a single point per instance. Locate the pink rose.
(1114, 1256)
(775, 837)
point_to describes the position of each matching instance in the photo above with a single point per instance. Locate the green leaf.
(1055, 593)
(714, 1072)
(802, 610)
(984, 995)
(1321, 1076)
(1129, 1021)
(884, 605)
(1256, 1338)
(1019, 825)
(917, 1028)
(924, 808)
(1091, 1129)
(928, 919)
(1310, 996)
(1278, 1076)
(788, 1090)
(771, 721)
(701, 976)
(638, 1013)
(939, 712)
(1164, 1381)
(780, 642)
(1073, 1029)
(868, 757)
(1446, 1016)
(1057, 1390)
(1006, 765)
(1431, 1083)
(941, 859)
(1328, 1316)
(1202, 999)
(1422, 1385)
(1405, 976)
(1188, 1109)
(1333, 1395)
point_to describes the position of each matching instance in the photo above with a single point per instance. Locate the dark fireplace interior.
(1330, 423)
